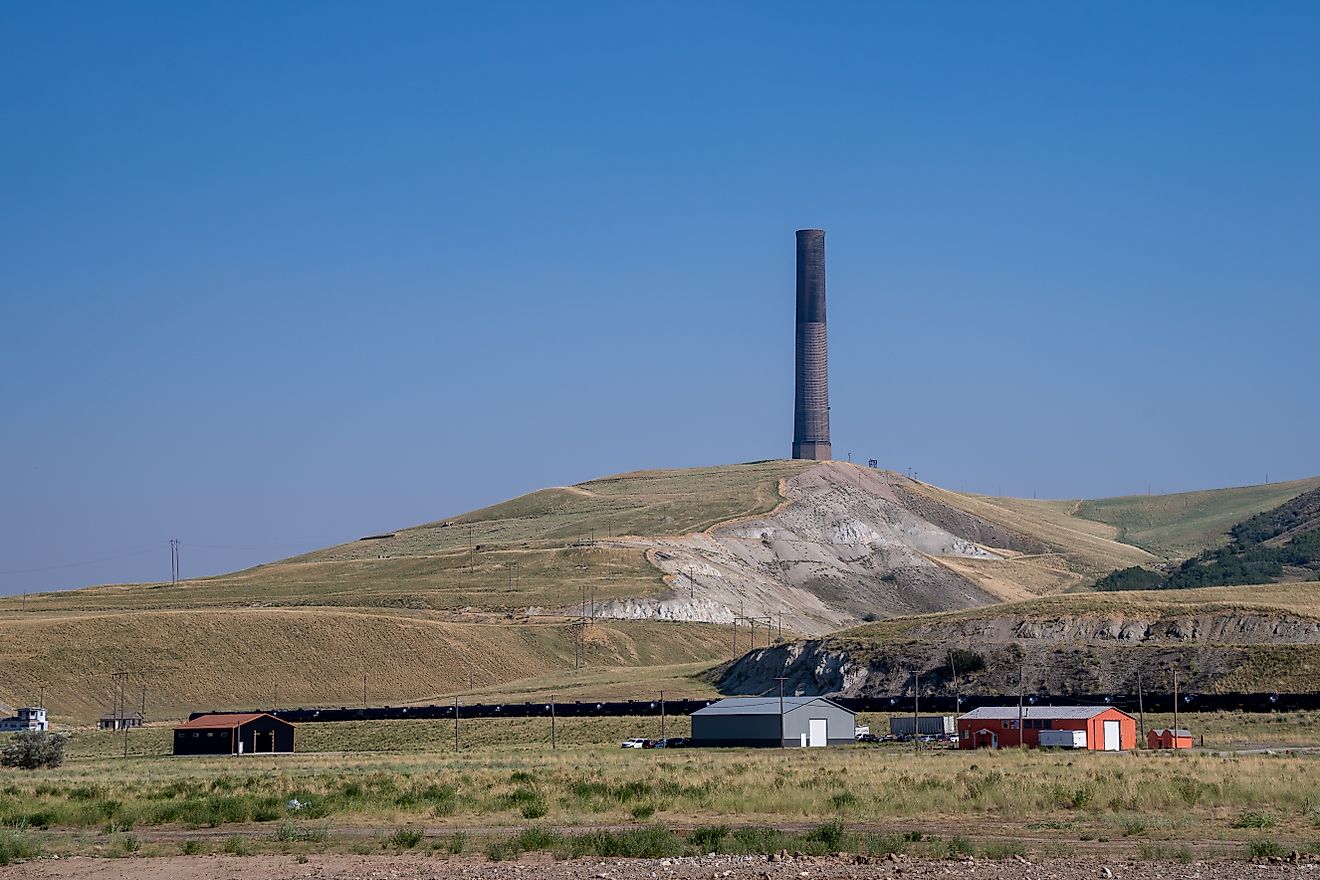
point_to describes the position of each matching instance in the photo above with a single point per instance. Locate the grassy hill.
(451, 605)
(1187, 523)
(1281, 544)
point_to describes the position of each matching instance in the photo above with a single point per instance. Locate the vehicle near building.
(902, 726)
(1105, 728)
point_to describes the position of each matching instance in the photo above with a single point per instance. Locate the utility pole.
(1022, 736)
(364, 690)
(456, 746)
(120, 701)
(662, 716)
(41, 696)
(735, 638)
(780, 679)
(916, 714)
(471, 561)
(1175, 707)
(692, 588)
(144, 702)
(1141, 710)
(174, 562)
(554, 740)
(957, 691)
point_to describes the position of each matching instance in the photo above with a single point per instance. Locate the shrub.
(457, 843)
(1253, 819)
(642, 812)
(960, 846)
(537, 838)
(129, 843)
(406, 838)
(236, 846)
(534, 809)
(1264, 848)
(652, 842)
(758, 840)
(33, 750)
(844, 799)
(1003, 849)
(499, 850)
(192, 847)
(708, 838)
(830, 835)
(15, 846)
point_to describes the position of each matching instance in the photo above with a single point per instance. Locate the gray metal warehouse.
(756, 721)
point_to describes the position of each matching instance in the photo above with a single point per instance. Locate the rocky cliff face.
(1215, 651)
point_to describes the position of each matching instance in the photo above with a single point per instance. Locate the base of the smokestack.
(813, 451)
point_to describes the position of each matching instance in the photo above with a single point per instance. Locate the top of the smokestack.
(811, 232)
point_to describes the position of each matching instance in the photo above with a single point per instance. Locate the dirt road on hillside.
(419, 867)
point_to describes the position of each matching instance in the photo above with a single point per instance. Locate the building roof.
(215, 721)
(997, 713)
(763, 705)
(1169, 730)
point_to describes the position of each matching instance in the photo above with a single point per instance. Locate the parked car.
(653, 744)
(867, 737)
(677, 742)
(634, 743)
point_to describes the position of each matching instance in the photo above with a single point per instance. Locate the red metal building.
(1101, 728)
(1169, 738)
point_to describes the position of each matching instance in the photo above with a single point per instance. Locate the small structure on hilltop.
(770, 721)
(238, 734)
(1169, 738)
(1096, 728)
(119, 720)
(28, 718)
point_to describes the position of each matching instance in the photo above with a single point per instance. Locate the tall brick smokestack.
(811, 402)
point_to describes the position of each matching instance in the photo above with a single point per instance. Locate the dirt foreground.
(415, 867)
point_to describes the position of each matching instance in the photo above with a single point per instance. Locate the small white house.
(28, 718)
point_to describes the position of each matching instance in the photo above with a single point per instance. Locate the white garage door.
(819, 729)
(1112, 741)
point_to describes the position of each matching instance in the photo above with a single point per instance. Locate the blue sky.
(273, 276)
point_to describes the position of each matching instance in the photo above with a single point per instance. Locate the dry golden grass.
(1090, 549)
(193, 660)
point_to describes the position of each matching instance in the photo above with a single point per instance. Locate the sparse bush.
(652, 842)
(235, 846)
(457, 843)
(534, 809)
(1254, 819)
(1133, 827)
(1003, 849)
(844, 799)
(1264, 848)
(642, 812)
(34, 750)
(537, 839)
(830, 835)
(406, 838)
(192, 847)
(16, 846)
(129, 844)
(499, 850)
(960, 846)
(708, 838)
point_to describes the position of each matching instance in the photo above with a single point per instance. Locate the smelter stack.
(811, 407)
